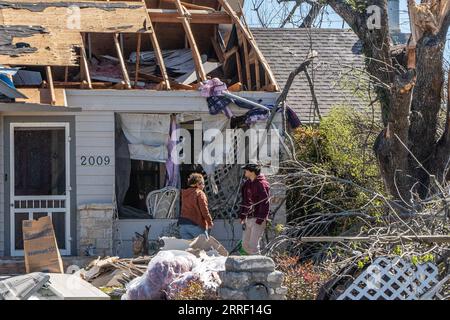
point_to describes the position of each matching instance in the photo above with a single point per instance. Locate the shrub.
(194, 291)
(302, 281)
(341, 146)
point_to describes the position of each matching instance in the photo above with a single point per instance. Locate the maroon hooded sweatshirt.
(255, 199)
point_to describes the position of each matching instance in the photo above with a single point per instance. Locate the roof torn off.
(147, 45)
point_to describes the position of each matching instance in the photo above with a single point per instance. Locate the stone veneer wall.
(251, 278)
(95, 228)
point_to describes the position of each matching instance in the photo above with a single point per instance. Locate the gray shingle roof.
(339, 55)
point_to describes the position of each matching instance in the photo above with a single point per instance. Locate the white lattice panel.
(392, 279)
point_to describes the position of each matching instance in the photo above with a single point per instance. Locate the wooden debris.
(158, 52)
(247, 34)
(196, 16)
(122, 62)
(201, 75)
(43, 96)
(100, 272)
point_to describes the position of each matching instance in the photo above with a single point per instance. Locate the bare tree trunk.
(409, 152)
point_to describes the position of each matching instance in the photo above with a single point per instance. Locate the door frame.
(68, 122)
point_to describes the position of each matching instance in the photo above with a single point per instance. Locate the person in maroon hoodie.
(255, 208)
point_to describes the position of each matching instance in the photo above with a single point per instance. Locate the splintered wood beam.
(248, 35)
(248, 73)
(192, 5)
(51, 85)
(230, 52)
(218, 50)
(157, 50)
(123, 67)
(257, 75)
(201, 75)
(239, 66)
(85, 66)
(138, 58)
(196, 16)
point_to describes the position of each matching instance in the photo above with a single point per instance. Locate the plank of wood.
(248, 73)
(230, 52)
(257, 75)
(122, 62)
(218, 50)
(85, 66)
(158, 52)
(48, 70)
(201, 75)
(248, 35)
(138, 58)
(118, 16)
(235, 87)
(239, 66)
(43, 96)
(192, 5)
(52, 49)
(196, 16)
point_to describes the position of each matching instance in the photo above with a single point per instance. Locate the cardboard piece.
(40, 246)
(207, 244)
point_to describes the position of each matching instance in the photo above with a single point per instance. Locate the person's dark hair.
(253, 168)
(195, 178)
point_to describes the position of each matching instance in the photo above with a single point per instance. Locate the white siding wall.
(94, 138)
(95, 133)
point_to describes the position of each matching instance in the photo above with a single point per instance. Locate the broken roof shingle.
(339, 52)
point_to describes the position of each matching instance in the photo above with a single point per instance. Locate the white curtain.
(147, 135)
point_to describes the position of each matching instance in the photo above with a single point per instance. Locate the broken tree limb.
(412, 238)
(201, 74)
(313, 93)
(301, 68)
(283, 96)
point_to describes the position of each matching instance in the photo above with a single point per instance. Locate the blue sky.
(331, 19)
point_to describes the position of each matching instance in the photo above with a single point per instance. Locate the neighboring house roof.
(339, 56)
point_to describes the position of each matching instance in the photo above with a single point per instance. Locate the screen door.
(40, 179)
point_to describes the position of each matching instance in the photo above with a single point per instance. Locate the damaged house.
(90, 92)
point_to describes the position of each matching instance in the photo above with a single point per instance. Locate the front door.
(40, 179)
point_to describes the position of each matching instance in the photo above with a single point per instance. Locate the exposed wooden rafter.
(157, 49)
(123, 67)
(201, 75)
(196, 16)
(248, 35)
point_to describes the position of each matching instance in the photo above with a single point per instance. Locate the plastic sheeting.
(171, 271)
(147, 135)
(164, 268)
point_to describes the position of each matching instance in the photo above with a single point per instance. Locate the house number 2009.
(95, 161)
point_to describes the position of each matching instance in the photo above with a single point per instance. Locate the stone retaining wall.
(95, 229)
(251, 278)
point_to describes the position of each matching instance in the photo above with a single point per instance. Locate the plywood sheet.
(83, 16)
(42, 96)
(57, 27)
(49, 49)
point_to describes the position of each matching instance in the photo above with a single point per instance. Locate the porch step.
(16, 265)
